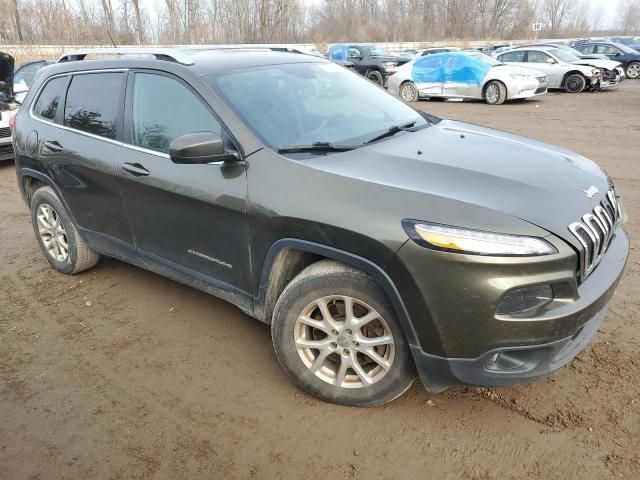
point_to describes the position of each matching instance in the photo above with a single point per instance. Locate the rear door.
(188, 219)
(79, 133)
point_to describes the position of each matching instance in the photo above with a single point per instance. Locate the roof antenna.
(111, 38)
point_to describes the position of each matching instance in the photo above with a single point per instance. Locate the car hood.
(6, 76)
(459, 167)
(607, 64)
(391, 58)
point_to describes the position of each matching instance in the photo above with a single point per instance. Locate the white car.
(564, 69)
(465, 75)
(7, 105)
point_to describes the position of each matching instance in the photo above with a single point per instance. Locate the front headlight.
(596, 72)
(389, 65)
(475, 242)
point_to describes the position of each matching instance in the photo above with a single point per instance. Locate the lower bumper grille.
(595, 231)
(5, 132)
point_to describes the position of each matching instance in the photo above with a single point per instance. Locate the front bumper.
(482, 348)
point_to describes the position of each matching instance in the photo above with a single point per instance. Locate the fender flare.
(375, 271)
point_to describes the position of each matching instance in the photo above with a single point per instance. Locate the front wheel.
(495, 93)
(338, 338)
(575, 83)
(375, 76)
(633, 70)
(409, 92)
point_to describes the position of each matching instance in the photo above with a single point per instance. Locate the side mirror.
(551, 60)
(199, 148)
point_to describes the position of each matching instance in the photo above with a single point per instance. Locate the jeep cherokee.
(376, 241)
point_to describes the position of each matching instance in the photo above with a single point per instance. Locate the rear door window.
(47, 104)
(512, 57)
(163, 109)
(93, 103)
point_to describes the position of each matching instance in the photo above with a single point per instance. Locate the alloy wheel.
(408, 92)
(633, 71)
(52, 233)
(344, 342)
(493, 93)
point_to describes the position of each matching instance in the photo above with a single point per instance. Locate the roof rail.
(168, 54)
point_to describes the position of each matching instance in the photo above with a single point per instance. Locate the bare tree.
(556, 12)
(629, 16)
(16, 14)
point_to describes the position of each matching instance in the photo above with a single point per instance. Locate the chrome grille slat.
(594, 233)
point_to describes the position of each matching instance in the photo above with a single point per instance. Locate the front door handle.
(52, 146)
(135, 169)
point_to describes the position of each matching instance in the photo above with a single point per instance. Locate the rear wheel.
(409, 92)
(58, 237)
(575, 83)
(495, 93)
(337, 337)
(375, 76)
(633, 70)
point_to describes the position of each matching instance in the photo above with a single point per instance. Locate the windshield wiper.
(315, 147)
(392, 131)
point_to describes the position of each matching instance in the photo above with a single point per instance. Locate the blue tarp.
(458, 67)
(339, 52)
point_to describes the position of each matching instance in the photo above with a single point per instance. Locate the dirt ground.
(119, 373)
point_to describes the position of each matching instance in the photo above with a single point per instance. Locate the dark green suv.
(376, 241)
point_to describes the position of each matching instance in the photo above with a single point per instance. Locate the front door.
(186, 219)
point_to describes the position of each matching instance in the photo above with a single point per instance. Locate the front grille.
(595, 232)
(5, 132)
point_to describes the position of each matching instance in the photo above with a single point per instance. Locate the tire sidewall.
(293, 302)
(46, 195)
(502, 93)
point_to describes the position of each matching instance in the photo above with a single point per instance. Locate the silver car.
(564, 69)
(465, 75)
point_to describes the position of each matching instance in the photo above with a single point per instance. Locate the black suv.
(374, 239)
(369, 60)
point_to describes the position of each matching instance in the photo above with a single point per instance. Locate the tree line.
(126, 22)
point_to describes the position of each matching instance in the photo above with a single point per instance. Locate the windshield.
(305, 103)
(563, 55)
(486, 59)
(373, 51)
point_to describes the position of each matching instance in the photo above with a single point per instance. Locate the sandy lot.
(118, 373)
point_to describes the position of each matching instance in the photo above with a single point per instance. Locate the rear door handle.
(52, 146)
(135, 169)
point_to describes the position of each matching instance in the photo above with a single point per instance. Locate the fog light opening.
(525, 301)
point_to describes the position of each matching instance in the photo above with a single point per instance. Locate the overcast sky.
(610, 7)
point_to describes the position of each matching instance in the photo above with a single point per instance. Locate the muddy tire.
(375, 76)
(495, 93)
(409, 92)
(633, 70)
(58, 237)
(575, 83)
(338, 338)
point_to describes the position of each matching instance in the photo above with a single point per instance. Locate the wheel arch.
(486, 84)
(288, 257)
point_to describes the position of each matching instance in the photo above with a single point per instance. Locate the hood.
(391, 58)
(606, 64)
(6, 76)
(465, 169)
(517, 70)
(599, 56)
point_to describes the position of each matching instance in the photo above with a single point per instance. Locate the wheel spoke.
(355, 365)
(318, 344)
(326, 315)
(319, 361)
(317, 324)
(371, 353)
(348, 312)
(367, 342)
(345, 363)
(359, 322)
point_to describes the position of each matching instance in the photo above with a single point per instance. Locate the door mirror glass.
(198, 148)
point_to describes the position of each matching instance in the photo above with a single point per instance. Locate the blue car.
(627, 56)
